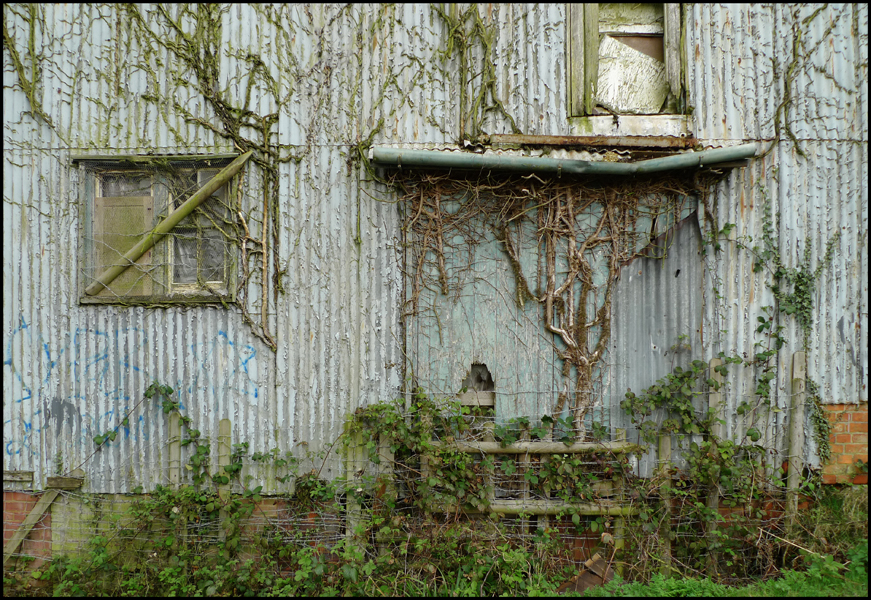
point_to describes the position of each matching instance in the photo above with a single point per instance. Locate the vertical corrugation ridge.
(656, 301)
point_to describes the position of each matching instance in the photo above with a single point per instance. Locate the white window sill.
(632, 125)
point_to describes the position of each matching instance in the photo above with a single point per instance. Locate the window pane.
(213, 256)
(114, 185)
(185, 264)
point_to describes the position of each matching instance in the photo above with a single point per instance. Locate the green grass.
(824, 577)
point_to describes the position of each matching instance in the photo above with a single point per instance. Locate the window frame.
(162, 255)
(583, 57)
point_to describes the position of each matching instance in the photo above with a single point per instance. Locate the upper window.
(128, 204)
(624, 59)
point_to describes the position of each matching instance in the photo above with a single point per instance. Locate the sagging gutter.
(398, 157)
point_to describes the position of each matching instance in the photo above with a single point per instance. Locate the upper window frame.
(583, 57)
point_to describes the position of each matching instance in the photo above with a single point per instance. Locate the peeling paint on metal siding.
(738, 100)
(318, 373)
(812, 199)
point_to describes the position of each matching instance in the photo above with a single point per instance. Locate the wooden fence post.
(664, 456)
(715, 405)
(224, 438)
(796, 432)
(525, 465)
(355, 461)
(619, 522)
(386, 476)
(174, 448)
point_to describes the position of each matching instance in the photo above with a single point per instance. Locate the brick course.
(16, 507)
(848, 441)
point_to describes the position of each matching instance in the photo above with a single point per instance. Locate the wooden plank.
(475, 398)
(118, 224)
(174, 448)
(617, 447)
(591, 56)
(27, 525)
(356, 460)
(546, 507)
(664, 456)
(225, 429)
(147, 160)
(714, 405)
(620, 539)
(64, 483)
(224, 446)
(611, 141)
(672, 31)
(595, 572)
(575, 59)
(18, 476)
(715, 396)
(387, 489)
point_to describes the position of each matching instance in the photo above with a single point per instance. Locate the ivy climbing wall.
(793, 77)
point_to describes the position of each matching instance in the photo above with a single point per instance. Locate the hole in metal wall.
(479, 379)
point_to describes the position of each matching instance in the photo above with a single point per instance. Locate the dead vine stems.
(565, 242)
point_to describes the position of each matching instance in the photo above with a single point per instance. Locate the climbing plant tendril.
(579, 228)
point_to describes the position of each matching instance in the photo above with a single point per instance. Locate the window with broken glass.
(624, 59)
(124, 202)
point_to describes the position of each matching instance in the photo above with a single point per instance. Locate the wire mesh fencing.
(432, 483)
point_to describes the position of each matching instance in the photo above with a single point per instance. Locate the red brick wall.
(16, 507)
(849, 442)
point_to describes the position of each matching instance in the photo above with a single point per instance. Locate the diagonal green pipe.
(164, 227)
(399, 157)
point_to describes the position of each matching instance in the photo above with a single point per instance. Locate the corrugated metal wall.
(656, 322)
(339, 71)
(737, 92)
(71, 370)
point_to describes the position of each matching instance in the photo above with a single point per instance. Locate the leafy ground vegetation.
(453, 561)
(405, 534)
